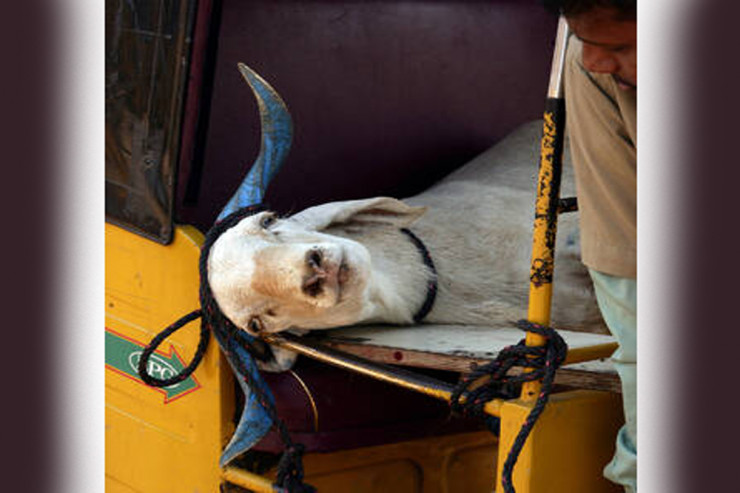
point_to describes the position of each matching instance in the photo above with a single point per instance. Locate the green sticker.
(122, 355)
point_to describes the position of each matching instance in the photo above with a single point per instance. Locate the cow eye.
(268, 220)
(255, 326)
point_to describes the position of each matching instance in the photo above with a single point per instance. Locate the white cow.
(346, 263)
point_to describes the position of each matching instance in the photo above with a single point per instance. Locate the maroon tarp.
(386, 96)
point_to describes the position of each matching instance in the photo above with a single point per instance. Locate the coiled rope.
(542, 363)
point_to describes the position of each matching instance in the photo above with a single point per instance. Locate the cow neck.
(426, 307)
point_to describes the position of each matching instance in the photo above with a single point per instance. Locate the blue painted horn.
(277, 136)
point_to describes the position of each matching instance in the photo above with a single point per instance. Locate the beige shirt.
(602, 129)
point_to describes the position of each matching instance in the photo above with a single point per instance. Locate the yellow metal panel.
(463, 462)
(568, 447)
(471, 469)
(389, 476)
(158, 441)
(445, 464)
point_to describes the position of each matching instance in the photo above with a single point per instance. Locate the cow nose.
(313, 284)
(314, 259)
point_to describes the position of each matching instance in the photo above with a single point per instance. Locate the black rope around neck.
(290, 467)
(542, 361)
(432, 284)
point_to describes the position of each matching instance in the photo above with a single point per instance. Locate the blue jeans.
(617, 298)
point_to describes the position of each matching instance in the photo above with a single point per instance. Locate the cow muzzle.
(326, 272)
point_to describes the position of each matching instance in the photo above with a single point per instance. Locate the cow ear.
(376, 211)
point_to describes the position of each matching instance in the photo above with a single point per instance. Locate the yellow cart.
(169, 440)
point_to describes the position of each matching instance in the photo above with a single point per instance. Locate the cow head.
(307, 271)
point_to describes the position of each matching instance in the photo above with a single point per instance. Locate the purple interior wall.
(387, 97)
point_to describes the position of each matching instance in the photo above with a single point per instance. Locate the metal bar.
(555, 87)
(546, 207)
(590, 353)
(568, 204)
(249, 480)
(390, 374)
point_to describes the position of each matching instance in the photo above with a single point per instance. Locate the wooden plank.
(459, 348)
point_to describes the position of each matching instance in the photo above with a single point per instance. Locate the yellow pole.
(248, 480)
(546, 207)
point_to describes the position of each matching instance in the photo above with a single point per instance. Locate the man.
(601, 100)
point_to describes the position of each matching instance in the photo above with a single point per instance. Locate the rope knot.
(494, 380)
